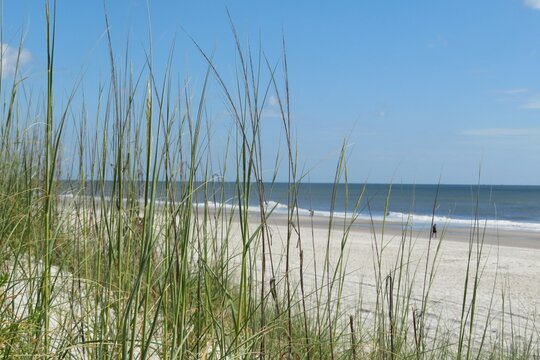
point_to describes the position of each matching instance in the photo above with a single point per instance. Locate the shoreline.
(353, 272)
(499, 237)
(528, 239)
(507, 263)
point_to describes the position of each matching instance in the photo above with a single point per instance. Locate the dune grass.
(143, 260)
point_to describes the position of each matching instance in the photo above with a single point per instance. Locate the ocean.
(505, 207)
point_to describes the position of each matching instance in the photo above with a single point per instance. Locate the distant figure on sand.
(434, 230)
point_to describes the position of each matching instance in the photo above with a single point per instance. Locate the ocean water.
(496, 206)
(505, 207)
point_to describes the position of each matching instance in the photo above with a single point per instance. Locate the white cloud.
(272, 113)
(272, 109)
(273, 101)
(439, 41)
(503, 132)
(513, 91)
(511, 95)
(532, 104)
(9, 59)
(535, 4)
(517, 91)
(526, 98)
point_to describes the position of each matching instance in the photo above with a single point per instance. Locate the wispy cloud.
(535, 4)
(512, 95)
(10, 55)
(376, 113)
(439, 41)
(512, 91)
(270, 113)
(525, 98)
(502, 132)
(533, 103)
(273, 101)
(271, 109)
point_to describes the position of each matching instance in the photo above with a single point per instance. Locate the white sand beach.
(508, 279)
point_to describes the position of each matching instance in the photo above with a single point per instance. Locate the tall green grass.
(111, 272)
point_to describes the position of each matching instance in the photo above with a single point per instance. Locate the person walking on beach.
(434, 230)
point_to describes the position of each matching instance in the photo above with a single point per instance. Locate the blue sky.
(421, 89)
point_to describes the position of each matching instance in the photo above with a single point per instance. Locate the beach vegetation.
(127, 247)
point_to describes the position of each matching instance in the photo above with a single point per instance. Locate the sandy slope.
(508, 291)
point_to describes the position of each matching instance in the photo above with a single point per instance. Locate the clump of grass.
(145, 260)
